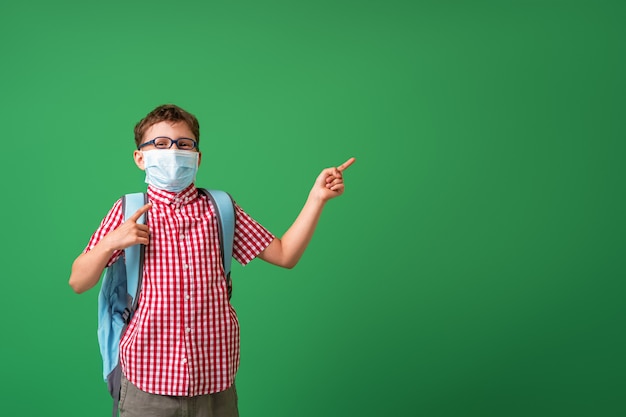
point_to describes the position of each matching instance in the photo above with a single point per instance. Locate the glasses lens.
(186, 144)
(162, 143)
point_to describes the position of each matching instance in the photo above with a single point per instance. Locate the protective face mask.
(170, 169)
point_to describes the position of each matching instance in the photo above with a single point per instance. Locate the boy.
(180, 352)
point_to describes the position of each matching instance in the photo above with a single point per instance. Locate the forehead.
(172, 130)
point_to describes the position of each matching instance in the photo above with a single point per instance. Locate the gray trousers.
(137, 403)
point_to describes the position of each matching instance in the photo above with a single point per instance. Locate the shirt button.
(187, 297)
(184, 360)
(182, 237)
(185, 266)
(188, 329)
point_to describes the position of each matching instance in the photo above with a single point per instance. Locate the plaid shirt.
(183, 340)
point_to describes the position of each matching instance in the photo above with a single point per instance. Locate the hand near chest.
(130, 232)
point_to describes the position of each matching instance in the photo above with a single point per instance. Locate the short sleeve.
(250, 237)
(111, 221)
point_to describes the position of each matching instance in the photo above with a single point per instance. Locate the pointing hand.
(130, 232)
(329, 183)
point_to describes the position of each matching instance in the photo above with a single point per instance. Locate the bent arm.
(287, 251)
(88, 267)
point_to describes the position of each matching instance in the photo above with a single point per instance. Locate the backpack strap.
(134, 254)
(225, 213)
(133, 260)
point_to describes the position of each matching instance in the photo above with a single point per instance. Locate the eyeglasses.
(163, 142)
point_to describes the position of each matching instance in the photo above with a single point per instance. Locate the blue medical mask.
(170, 169)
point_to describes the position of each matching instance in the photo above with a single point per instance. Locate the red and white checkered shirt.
(183, 340)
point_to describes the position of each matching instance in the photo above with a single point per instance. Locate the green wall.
(474, 266)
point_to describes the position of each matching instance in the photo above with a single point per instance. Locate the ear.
(199, 157)
(138, 157)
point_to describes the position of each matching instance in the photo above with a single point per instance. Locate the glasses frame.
(172, 143)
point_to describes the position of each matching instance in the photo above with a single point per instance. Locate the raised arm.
(287, 251)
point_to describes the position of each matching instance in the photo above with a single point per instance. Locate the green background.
(474, 266)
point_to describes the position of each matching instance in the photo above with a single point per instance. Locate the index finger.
(346, 164)
(140, 212)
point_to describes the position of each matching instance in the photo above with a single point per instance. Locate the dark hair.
(167, 113)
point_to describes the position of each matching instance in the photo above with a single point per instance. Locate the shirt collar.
(176, 198)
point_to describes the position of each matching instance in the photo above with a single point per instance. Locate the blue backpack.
(121, 284)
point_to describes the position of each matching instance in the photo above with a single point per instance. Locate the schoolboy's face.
(167, 129)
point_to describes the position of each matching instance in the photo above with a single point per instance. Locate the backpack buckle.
(126, 315)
